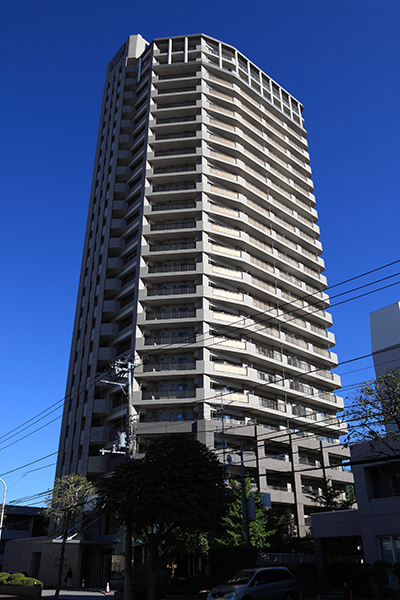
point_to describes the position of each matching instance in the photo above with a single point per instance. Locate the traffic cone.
(351, 595)
(107, 588)
(83, 583)
(51, 583)
(301, 594)
(319, 597)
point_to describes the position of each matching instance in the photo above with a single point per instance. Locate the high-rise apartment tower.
(202, 264)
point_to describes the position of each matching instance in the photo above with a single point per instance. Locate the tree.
(374, 413)
(233, 530)
(71, 497)
(177, 487)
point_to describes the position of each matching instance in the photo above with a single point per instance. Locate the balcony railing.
(172, 268)
(173, 206)
(167, 226)
(176, 120)
(182, 313)
(175, 152)
(179, 289)
(176, 104)
(189, 338)
(172, 136)
(177, 90)
(178, 76)
(171, 366)
(181, 169)
(158, 395)
(173, 188)
(172, 246)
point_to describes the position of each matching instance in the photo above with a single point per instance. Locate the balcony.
(171, 268)
(107, 354)
(168, 246)
(115, 264)
(169, 226)
(188, 338)
(112, 286)
(101, 406)
(231, 369)
(118, 226)
(111, 307)
(168, 394)
(227, 294)
(170, 291)
(109, 330)
(174, 187)
(171, 314)
(97, 464)
(176, 135)
(115, 245)
(99, 434)
(177, 169)
(173, 206)
(169, 366)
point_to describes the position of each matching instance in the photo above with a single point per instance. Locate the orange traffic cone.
(319, 597)
(301, 594)
(351, 595)
(107, 588)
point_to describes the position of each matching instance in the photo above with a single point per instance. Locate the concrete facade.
(202, 262)
(385, 337)
(20, 522)
(40, 558)
(377, 471)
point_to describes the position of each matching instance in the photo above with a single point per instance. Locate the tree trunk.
(151, 584)
(62, 554)
(128, 578)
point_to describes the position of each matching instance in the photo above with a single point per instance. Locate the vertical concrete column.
(169, 51)
(186, 48)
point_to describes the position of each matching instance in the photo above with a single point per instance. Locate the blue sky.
(339, 58)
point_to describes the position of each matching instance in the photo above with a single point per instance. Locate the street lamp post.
(2, 507)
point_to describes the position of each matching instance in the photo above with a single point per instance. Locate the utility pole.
(2, 507)
(295, 506)
(257, 456)
(133, 415)
(244, 500)
(223, 427)
(124, 369)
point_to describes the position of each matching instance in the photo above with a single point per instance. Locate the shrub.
(359, 582)
(18, 579)
(31, 582)
(379, 573)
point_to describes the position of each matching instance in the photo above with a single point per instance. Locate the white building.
(202, 262)
(376, 472)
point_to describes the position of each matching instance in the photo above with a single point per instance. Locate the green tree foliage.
(233, 530)
(178, 487)
(374, 413)
(71, 497)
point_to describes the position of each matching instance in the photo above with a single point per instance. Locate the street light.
(2, 507)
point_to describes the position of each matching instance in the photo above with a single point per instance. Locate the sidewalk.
(72, 594)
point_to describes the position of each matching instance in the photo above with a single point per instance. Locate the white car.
(270, 583)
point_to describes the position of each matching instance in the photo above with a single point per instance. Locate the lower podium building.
(202, 266)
